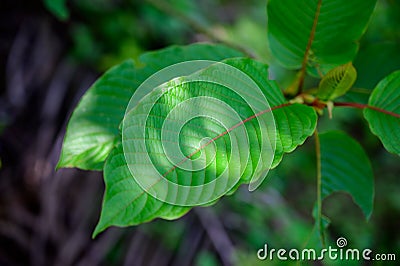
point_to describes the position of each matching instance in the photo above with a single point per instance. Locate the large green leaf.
(346, 167)
(128, 201)
(384, 116)
(324, 32)
(93, 128)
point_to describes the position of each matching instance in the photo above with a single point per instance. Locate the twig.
(319, 185)
(167, 9)
(364, 106)
(308, 48)
(217, 234)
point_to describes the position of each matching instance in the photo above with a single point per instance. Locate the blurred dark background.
(47, 217)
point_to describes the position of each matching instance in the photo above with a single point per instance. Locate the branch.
(319, 186)
(164, 7)
(363, 106)
(308, 48)
(217, 234)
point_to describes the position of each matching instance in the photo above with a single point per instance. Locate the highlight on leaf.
(186, 142)
(337, 82)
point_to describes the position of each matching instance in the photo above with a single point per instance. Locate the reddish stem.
(343, 104)
(224, 133)
(309, 44)
(363, 106)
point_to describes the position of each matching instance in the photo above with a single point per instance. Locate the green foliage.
(93, 128)
(58, 8)
(337, 82)
(346, 167)
(294, 123)
(125, 138)
(386, 125)
(127, 203)
(324, 31)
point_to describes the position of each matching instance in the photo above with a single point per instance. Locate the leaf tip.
(60, 164)
(99, 228)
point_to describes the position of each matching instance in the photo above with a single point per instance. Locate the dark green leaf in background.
(346, 167)
(340, 24)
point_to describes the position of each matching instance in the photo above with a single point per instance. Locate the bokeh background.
(47, 63)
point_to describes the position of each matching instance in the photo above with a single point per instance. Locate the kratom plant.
(186, 125)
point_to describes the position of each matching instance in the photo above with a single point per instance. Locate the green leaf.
(384, 116)
(125, 202)
(325, 33)
(337, 82)
(294, 123)
(128, 201)
(346, 167)
(93, 128)
(58, 8)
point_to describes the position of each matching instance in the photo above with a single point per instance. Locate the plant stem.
(308, 48)
(319, 186)
(168, 9)
(363, 106)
